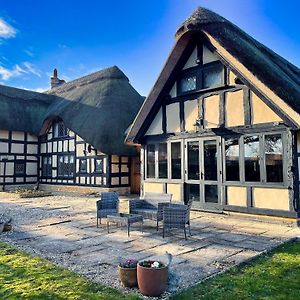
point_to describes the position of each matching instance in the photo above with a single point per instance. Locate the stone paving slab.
(217, 242)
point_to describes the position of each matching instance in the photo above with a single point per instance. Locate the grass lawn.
(273, 276)
(23, 276)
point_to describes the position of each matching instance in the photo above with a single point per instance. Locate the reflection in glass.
(193, 192)
(211, 193)
(150, 161)
(232, 153)
(210, 160)
(162, 161)
(273, 154)
(188, 84)
(212, 77)
(252, 158)
(176, 160)
(193, 160)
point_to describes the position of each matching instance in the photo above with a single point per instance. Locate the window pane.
(210, 160)
(83, 165)
(232, 159)
(162, 161)
(188, 83)
(151, 161)
(99, 166)
(176, 160)
(273, 152)
(193, 160)
(211, 193)
(19, 168)
(193, 192)
(212, 77)
(252, 158)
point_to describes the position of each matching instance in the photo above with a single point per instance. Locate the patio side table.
(125, 219)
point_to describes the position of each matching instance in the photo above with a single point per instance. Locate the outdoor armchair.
(107, 204)
(177, 216)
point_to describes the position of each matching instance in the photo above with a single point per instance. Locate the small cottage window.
(46, 166)
(59, 130)
(252, 158)
(273, 158)
(232, 156)
(151, 161)
(20, 167)
(65, 166)
(83, 165)
(162, 161)
(176, 160)
(99, 165)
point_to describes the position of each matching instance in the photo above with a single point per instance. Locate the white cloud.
(6, 30)
(17, 70)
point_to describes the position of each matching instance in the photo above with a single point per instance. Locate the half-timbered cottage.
(71, 136)
(221, 124)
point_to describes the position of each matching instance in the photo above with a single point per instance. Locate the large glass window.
(46, 166)
(176, 160)
(162, 161)
(273, 157)
(232, 155)
(193, 160)
(151, 161)
(65, 167)
(252, 158)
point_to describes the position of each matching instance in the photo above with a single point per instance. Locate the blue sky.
(80, 37)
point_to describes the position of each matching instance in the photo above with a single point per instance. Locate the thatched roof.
(279, 75)
(22, 110)
(98, 107)
(270, 68)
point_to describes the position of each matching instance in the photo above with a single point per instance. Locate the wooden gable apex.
(182, 55)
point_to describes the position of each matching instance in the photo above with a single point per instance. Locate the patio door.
(203, 173)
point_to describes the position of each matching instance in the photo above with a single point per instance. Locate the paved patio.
(63, 229)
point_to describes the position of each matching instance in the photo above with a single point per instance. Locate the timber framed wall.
(20, 152)
(74, 162)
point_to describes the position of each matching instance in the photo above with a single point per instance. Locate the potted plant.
(152, 277)
(127, 272)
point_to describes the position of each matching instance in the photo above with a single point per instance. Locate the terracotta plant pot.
(128, 276)
(152, 281)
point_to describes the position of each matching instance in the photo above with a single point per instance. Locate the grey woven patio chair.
(177, 216)
(107, 204)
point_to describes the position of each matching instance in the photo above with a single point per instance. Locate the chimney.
(55, 81)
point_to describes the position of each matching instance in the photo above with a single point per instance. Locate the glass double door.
(203, 173)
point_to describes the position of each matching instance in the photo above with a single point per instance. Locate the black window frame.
(198, 71)
(20, 162)
(71, 171)
(57, 132)
(46, 167)
(80, 165)
(95, 165)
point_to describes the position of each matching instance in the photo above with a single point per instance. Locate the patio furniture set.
(153, 206)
